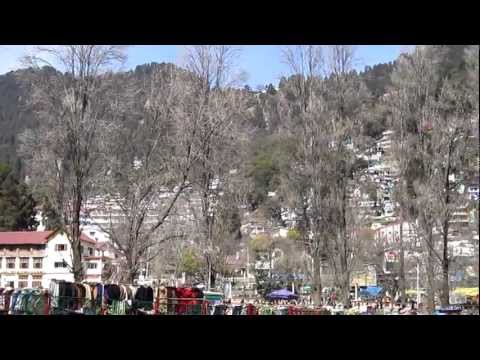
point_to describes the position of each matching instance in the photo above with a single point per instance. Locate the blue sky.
(261, 62)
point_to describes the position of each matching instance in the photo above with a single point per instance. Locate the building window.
(92, 265)
(37, 263)
(37, 281)
(10, 263)
(81, 249)
(60, 264)
(61, 247)
(90, 251)
(24, 263)
(22, 281)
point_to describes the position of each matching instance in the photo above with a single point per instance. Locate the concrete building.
(390, 234)
(34, 258)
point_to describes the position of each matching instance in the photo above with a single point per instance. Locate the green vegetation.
(190, 262)
(17, 206)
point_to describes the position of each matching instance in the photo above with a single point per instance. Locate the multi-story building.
(34, 258)
(389, 234)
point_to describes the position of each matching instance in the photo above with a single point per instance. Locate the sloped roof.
(87, 239)
(33, 237)
(25, 237)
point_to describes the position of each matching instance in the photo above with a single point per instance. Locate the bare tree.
(346, 97)
(216, 112)
(323, 115)
(303, 108)
(435, 123)
(472, 60)
(148, 164)
(70, 104)
(450, 142)
(414, 81)
(400, 112)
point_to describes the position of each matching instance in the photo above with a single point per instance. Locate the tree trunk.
(345, 289)
(75, 240)
(317, 281)
(209, 274)
(132, 274)
(445, 293)
(270, 264)
(213, 277)
(430, 277)
(401, 283)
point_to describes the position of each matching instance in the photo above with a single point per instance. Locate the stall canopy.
(371, 291)
(466, 291)
(282, 294)
(213, 296)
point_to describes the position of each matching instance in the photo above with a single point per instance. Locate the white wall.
(95, 232)
(52, 256)
(391, 232)
(49, 271)
(94, 274)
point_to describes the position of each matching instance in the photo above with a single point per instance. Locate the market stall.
(282, 294)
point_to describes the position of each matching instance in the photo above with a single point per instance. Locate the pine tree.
(17, 206)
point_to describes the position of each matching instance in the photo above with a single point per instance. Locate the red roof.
(33, 237)
(24, 237)
(87, 239)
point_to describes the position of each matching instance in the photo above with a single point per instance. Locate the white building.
(390, 234)
(474, 192)
(34, 258)
(385, 141)
(461, 248)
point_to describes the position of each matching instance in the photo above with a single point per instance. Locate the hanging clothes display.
(161, 300)
(98, 294)
(118, 307)
(115, 299)
(251, 309)
(189, 302)
(39, 303)
(111, 292)
(123, 292)
(88, 294)
(27, 302)
(219, 309)
(5, 295)
(67, 297)
(143, 298)
(5, 300)
(237, 310)
(13, 302)
(171, 300)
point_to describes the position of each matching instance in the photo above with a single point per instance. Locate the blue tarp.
(371, 291)
(282, 294)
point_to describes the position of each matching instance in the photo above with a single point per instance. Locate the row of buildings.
(388, 227)
(28, 259)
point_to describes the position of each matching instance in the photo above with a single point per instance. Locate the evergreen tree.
(50, 216)
(17, 206)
